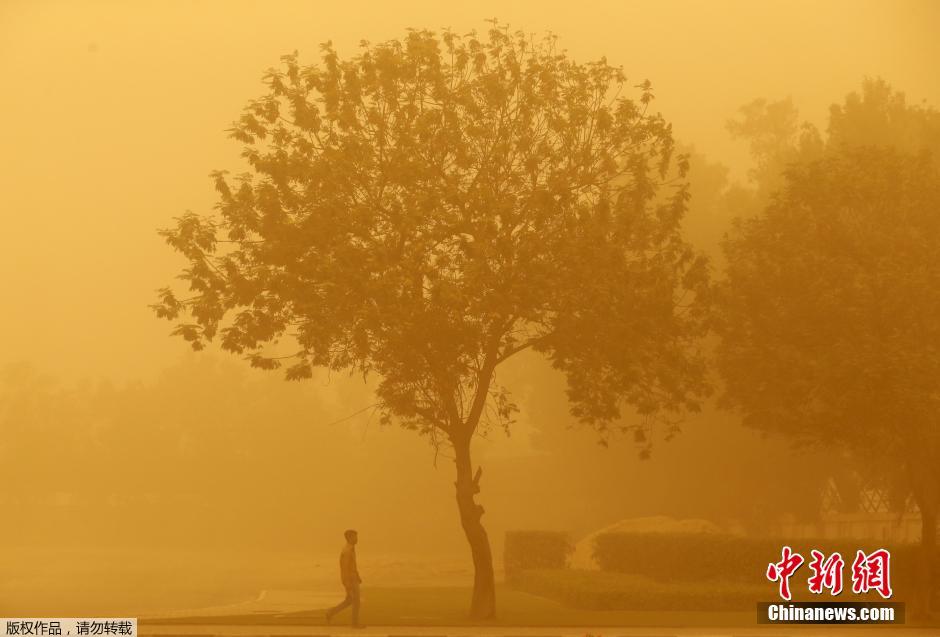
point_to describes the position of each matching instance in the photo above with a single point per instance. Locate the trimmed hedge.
(591, 590)
(702, 557)
(684, 557)
(525, 550)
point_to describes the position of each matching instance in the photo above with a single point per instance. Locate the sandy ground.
(111, 582)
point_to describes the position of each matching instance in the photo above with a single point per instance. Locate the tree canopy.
(432, 206)
(830, 292)
(831, 300)
(829, 310)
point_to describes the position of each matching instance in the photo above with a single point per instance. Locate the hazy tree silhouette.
(878, 115)
(829, 330)
(776, 138)
(433, 206)
(829, 311)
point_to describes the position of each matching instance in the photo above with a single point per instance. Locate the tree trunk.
(928, 545)
(924, 577)
(483, 602)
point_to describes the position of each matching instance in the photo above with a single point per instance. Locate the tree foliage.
(831, 300)
(829, 312)
(431, 206)
(878, 115)
(829, 309)
(841, 259)
(776, 138)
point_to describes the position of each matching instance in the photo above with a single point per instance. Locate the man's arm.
(346, 569)
(355, 568)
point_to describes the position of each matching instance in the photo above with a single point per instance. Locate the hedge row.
(591, 590)
(700, 557)
(524, 550)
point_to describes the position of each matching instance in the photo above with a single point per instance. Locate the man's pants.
(352, 599)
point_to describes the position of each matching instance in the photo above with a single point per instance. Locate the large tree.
(432, 206)
(830, 314)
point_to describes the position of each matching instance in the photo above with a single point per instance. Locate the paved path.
(503, 631)
(267, 602)
(275, 604)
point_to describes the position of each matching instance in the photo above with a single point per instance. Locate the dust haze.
(141, 477)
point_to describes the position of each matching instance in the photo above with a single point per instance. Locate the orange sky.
(113, 115)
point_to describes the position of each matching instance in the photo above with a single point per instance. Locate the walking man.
(349, 574)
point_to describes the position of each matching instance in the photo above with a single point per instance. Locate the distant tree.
(435, 205)
(775, 138)
(881, 116)
(715, 200)
(877, 115)
(830, 314)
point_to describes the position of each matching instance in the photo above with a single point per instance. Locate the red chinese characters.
(782, 570)
(826, 573)
(870, 572)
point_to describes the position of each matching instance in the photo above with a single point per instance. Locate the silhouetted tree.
(881, 116)
(775, 138)
(431, 207)
(830, 314)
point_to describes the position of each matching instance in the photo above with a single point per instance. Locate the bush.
(535, 550)
(704, 557)
(685, 557)
(592, 590)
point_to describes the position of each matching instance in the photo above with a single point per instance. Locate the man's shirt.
(347, 566)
